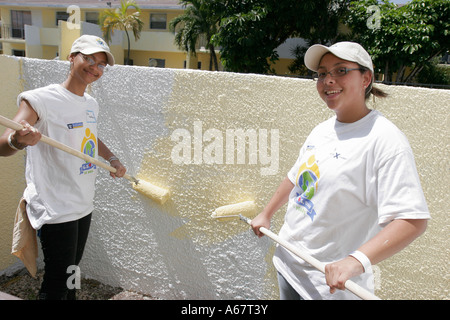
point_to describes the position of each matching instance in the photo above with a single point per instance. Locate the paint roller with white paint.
(231, 211)
(157, 194)
(244, 210)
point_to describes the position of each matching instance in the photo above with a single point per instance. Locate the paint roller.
(231, 211)
(157, 194)
(245, 209)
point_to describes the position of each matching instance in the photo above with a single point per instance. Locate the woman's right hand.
(261, 220)
(280, 197)
(28, 136)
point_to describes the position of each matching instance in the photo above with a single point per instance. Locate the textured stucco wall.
(12, 180)
(173, 128)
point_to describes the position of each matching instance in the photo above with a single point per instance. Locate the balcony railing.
(10, 32)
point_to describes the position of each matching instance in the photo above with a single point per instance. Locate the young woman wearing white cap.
(354, 195)
(60, 187)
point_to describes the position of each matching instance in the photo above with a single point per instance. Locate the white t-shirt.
(351, 179)
(60, 186)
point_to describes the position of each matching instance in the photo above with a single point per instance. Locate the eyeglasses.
(91, 62)
(335, 73)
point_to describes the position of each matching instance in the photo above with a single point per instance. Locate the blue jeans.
(286, 290)
(62, 245)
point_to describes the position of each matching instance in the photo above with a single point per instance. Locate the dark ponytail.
(376, 92)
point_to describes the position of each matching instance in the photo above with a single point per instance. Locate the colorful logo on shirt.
(89, 147)
(307, 179)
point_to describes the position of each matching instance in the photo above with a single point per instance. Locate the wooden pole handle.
(350, 285)
(17, 126)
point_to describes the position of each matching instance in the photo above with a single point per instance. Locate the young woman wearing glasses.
(60, 187)
(354, 195)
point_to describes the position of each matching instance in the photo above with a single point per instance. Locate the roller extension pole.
(17, 126)
(154, 192)
(350, 285)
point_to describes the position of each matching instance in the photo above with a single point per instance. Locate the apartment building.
(46, 30)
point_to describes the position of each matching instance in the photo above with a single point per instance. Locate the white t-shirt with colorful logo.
(351, 179)
(60, 186)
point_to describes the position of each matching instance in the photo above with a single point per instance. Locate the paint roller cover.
(246, 208)
(155, 193)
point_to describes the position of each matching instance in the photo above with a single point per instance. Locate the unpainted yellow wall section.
(141, 58)
(13, 168)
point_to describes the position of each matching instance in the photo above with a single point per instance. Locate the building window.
(62, 15)
(199, 65)
(18, 53)
(18, 21)
(158, 63)
(158, 21)
(92, 17)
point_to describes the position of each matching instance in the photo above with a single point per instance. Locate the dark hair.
(376, 93)
(371, 89)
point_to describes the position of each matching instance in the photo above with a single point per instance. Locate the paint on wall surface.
(174, 128)
(210, 148)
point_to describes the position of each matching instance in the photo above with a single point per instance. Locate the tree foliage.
(251, 30)
(401, 40)
(407, 36)
(122, 19)
(198, 20)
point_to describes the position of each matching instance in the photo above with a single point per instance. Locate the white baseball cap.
(88, 44)
(346, 50)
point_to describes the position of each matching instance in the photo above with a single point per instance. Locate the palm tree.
(198, 20)
(121, 19)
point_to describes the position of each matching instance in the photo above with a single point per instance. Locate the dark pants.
(63, 246)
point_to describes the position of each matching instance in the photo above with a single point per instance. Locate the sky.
(399, 1)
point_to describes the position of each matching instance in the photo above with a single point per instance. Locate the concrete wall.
(174, 128)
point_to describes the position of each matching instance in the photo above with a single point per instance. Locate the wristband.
(11, 144)
(113, 158)
(362, 258)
